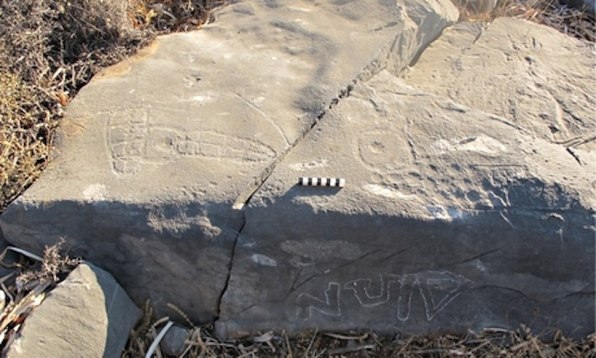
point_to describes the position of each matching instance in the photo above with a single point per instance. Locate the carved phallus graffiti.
(436, 289)
(134, 142)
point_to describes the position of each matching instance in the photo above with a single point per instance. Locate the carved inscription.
(389, 154)
(371, 293)
(133, 142)
(328, 306)
(436, 289)
(383, 150)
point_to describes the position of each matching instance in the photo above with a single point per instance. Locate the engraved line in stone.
(436, 289)
(329, 306)
(137, 142)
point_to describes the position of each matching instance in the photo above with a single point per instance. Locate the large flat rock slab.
(158, 154)
(533, 75)
(451, 219)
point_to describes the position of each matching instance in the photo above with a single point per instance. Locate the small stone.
(173, 343)
(86, 315)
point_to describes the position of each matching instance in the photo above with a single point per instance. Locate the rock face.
(452, 218)
(86, 315)
(469, 200)
(532, 75)
(159, 153)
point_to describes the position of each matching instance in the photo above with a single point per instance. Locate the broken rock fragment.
(86, 315)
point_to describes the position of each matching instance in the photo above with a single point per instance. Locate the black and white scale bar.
(329, 182)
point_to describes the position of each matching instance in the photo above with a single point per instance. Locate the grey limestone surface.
(532, 75)
(451, 219)
(468, 157)
(158, 154)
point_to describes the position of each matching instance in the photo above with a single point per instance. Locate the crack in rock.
(245, 198)
(229, 268)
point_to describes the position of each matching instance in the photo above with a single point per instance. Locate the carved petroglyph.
(315, 164)
(387, 154)
(126, 143)
(364, 290)
(409, 168)
(255, 104)
(134, 142)
(191, 79)
(399, 164)
(382, 150)
(555, 223)
(481, 143)
(436, 289)
(329, 306)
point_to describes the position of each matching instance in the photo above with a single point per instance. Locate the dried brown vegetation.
(496, 343)
(171, 15)
(558, 14)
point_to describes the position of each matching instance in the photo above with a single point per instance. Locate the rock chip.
(86, 315)
(158, 153)
(451, 219)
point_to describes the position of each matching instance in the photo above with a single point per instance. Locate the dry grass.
(48, 51)
(496, 343)
(25, 125)
(571, 21)
(171, 15)
(554, 13)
